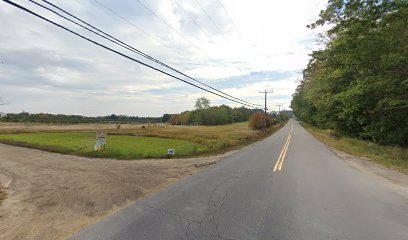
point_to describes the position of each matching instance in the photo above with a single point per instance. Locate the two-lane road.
(288, 186)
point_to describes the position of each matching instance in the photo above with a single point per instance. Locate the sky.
(239, 47)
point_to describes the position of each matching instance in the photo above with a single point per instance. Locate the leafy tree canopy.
(202, 103)
(357, 84)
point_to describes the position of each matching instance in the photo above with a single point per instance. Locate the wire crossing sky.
(247, 46)
(128, 47)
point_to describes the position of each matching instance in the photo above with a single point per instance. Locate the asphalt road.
(310, 194)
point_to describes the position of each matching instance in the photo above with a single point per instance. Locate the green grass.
(390, 156)
(118, 146)
(217, 139)
(133, 141)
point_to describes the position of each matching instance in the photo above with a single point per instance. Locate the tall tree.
(358, 83)
(202, 103)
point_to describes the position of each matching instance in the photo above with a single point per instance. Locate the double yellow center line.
(281, 159)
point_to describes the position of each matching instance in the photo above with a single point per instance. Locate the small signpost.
(100, 140)
(171, 151)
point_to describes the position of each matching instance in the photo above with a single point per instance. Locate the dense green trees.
(358, 83)
(210, 116)
(60, 118)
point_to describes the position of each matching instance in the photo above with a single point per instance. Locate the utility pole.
(265, 92)
(279, 105)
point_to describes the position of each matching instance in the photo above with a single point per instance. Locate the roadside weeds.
(392, 157)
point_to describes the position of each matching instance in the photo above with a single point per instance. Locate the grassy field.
(389, 156)
(123, 147)
(134, 141)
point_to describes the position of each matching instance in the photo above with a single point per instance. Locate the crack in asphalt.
(214, 205)
(188, 229)
(165, 211)
(211, 215)
(171, 213)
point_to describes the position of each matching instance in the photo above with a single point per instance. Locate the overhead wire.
(212, 60)
(115, 51)
(171, 27)
(229, 18)
(191, 18)
(124, 45)
(209, 17)
(136, 26)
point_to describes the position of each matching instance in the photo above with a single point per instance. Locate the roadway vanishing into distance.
(288, 186)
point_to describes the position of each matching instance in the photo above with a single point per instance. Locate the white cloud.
(48, 70)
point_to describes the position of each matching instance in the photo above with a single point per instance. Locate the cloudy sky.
(240, 47)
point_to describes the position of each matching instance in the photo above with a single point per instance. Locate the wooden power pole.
(266, 93)
(279, 105)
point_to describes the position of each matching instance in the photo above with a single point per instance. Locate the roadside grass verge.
(390, 156)
(138, 142)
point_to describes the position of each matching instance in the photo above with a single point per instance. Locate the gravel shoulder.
(51, 196)
(396, 180)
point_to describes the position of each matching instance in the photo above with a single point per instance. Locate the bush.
(257, 121)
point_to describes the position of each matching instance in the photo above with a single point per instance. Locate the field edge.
(213, 152)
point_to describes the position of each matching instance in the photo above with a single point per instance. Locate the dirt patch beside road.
(51, 196)
(3, 194)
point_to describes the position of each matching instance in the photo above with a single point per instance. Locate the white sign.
(100, 134)
(171, 151)
(100, 140)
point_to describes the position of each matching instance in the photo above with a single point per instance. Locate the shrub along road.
(289, 186)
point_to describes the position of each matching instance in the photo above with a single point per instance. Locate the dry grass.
(213, 139)
(390, 156)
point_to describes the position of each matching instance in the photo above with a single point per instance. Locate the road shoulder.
(396, 180)
(51, 195)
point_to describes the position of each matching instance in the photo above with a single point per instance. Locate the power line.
(173, 49)
(135, 26)
(191, 18)
(209, 17)
(124, 45)
(229, 18)
(103, 35)
(171, 27)
(115, 51)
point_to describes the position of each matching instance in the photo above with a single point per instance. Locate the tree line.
(357, 84)
(207, 115)
(210, 116)
(61, 118)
